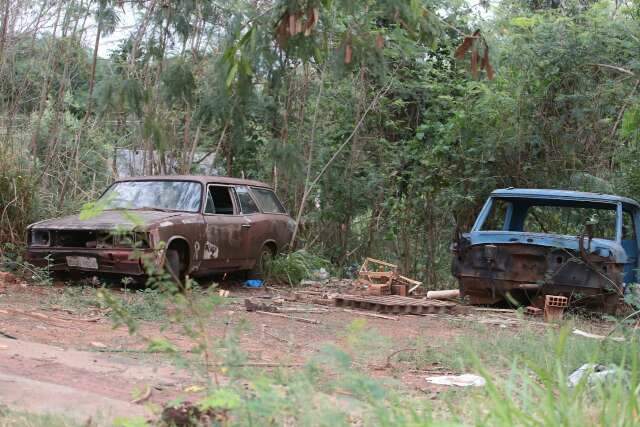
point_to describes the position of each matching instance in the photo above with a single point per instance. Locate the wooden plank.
(377, 261)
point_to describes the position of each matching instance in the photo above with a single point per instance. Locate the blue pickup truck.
(527, 243)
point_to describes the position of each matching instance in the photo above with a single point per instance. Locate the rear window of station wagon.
(267, 200)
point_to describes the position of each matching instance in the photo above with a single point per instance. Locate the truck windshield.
(545, 216)
(162, 195)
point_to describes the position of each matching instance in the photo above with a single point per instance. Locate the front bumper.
(116, 261)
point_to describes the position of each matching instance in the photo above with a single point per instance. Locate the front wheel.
(260, 269)
(175, 265)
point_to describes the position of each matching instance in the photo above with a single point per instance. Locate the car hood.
(111, 220)
(602, 247)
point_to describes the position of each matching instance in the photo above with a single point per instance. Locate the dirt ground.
(67, 360)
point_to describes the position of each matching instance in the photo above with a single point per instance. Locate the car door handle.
(246, 225)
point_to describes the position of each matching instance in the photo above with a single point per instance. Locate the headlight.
(138, 240)
(40, 238)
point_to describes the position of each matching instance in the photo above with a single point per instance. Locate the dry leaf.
(379, 41)
(193, 389)
(348, 53)
(485, 64)
(292, 25)
(98, 344)
(466, 44)
(313, 15)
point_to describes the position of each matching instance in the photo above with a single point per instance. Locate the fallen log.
(448, 294)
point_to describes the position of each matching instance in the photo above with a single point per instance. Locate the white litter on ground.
(464, 380)
(597, 374)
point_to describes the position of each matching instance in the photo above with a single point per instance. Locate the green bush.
(295, 267)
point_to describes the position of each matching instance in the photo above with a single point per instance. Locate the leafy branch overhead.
(478, 48)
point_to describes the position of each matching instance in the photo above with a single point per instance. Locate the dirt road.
(60, 354)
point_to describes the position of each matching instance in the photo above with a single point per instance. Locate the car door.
(278, 226)
(258, 222)
(227, 231)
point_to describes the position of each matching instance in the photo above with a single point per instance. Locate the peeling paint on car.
(506, 256)
(207, 236)
(210, 251)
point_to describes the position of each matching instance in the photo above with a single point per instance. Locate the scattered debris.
(144, 396)
(364, 313)
(402, 350)
(298, 319)
(495, 310)
(554, 306)
(595, 336)
(98, 344)
(597, 374)
(187, 414)
(448, 294)
(276, 307)
(223, 293)
(394, 304)
(533, 311)
(321, 274)
(6, 335)
(269, 334)
(194, 389)
(464, 380)
(382, 278)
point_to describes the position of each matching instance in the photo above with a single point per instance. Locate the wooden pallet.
(394, 304)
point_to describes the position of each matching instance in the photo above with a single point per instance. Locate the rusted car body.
(195, 225)
(527, 243)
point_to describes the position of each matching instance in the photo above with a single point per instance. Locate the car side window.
(268, 200)
(247, 204)
(219, 200)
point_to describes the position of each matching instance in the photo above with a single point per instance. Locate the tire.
(264, 258)
(175, 265)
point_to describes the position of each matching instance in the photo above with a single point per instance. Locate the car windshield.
(552, 217)
(161, 195)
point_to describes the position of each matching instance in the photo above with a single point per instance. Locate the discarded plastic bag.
(253, 283)
(464, 380)
(596, 374)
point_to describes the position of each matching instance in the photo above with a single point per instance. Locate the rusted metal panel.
(216, 243)
(512, 263)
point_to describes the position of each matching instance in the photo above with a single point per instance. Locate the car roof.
(205, 179)
(546, 194)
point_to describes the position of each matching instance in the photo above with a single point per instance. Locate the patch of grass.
(498, 349)
(11, 418)
(76, 299)
(295, 267)
(146, 304)
(11, 260)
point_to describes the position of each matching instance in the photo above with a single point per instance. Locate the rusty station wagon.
(194, 225)
(527, 243)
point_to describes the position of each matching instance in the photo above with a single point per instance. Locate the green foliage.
(272, 91)
(294, 267)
